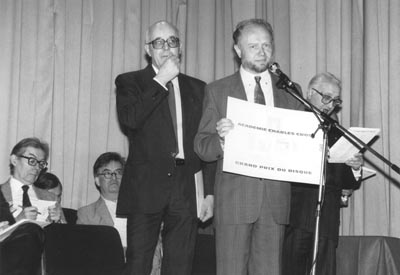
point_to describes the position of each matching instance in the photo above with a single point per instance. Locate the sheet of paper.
(272, 143)
(343, 150)
(367, 173)
(6, 232)
(43, 208)
(198, 180)
(120, 225)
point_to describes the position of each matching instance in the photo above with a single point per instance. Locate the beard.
(255, 67)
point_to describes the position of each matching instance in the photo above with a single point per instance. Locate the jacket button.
(169, 174)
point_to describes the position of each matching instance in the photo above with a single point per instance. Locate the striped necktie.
(258, 93)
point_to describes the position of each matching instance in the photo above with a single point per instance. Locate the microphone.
(274, 68)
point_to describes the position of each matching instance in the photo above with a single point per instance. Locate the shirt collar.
(108, 201)
(248, 78)
(17, 183)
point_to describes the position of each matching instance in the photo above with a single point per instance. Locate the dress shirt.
(249, 84)
(178, 104)
(17, 193)
(119, 223)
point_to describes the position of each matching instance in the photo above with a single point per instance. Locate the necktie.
(172, 108)
(26, 202)
(258, 93)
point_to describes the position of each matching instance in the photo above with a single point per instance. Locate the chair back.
(82, 249)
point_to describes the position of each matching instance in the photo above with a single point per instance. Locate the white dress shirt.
(17, 194)
(119, 223)
(249, 84)
(178, 105)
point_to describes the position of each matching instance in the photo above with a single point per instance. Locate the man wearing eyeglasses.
(28, 158)
(107, 172)
(159, 108)
(324, 93)
(20, 253)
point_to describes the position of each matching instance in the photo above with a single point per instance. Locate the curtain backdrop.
(59, 59)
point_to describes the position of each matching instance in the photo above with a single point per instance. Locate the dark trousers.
(178, 238)
(21, 252)
(298, 253)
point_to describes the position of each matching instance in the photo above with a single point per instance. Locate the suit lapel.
(149, 74)
(280, 97)
(149, 71)
(103, 213)
(6, 189)
(237, 87)
(236, 90)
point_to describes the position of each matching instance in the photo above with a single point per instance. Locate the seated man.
(51, 183)
(28, 158)
(107, 172)
(21, 251)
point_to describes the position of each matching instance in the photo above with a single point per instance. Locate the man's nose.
(262, 52)
(166, 46)
(329, 105)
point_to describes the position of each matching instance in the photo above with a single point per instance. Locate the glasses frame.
(326, 99)
(111, 174)
(170, 43)
(32, 161)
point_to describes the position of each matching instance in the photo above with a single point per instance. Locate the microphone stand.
(325, 123)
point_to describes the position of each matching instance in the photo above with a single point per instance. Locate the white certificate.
(343, 150)
(272, 143)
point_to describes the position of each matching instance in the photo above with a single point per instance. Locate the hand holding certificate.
(272, 143)
(343, 149)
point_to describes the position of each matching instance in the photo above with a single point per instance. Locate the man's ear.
(180, 48)
(309, 93)
(13, 159)
(237, 50)
(97, 181)
(147, 49)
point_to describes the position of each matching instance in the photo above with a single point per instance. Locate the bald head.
(158, 27)
(162, 43)
(324, 91)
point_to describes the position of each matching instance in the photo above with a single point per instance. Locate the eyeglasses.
(158, 43)
(326, 99)
(108, 174)
(33, 161)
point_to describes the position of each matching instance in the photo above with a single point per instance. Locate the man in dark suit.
(27, 160)
(51, 183)
(160, 108)
(324, 93)
(250, 213)
(21, 251)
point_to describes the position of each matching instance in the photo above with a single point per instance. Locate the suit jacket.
(70, 215)
(40, 193)
(238, 199)
(95, 213)
(305, 197)
(5, 214)
(144, 115)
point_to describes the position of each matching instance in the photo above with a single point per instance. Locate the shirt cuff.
(357, 173)
(156, 80)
